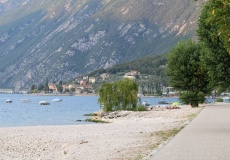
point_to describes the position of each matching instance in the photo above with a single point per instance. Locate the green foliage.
(46, 86)
(35, 91)
(150, 65)
(72, 89)
(187, 73)
(217, 16)
(166, 134)
(213, 31)
(219, 100)
(90, 114)
(33, 87)
(59, 88)
(141, 108)
(121, 95)
(95, 120)
(192, 98)
(41, 87)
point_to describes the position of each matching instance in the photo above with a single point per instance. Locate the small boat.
(9, 101)
(56, 100)
(44, 103)
(164, 102)
(145, 104)
(24, 100)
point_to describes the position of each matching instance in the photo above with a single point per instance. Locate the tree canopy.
(216, 13)
(214, 32)
(121, 95)
(186, 72)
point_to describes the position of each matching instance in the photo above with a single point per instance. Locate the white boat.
(9, 101)
(44, 103)
(146, 104)
(56, 100)
(164, 102)
(24, 100)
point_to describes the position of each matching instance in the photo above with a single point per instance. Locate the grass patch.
(154, 146)
(95, 120)
(138, 157)
(191, 116)
(141, 108)
(165, 135)
(90, 114)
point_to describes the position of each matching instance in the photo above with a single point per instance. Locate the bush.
(192, 98)
(219, 100)
(141, 108)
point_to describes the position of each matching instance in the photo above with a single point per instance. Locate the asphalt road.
(207, 137)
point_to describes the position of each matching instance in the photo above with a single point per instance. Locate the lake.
(67, 112)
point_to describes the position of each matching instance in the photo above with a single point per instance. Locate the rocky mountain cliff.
(63, 39)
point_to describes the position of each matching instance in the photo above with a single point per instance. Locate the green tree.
(214, 32)
(33, 87)
(59, 87)
(72, 89)
(46, 86)
(216, 14)
(186, 72)
(40, 87)
(121, 95)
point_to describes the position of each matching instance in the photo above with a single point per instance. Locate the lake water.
(66, 112)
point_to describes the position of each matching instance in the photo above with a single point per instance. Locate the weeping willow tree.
(121, 95)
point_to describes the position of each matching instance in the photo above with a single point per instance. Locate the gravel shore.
(129, 136)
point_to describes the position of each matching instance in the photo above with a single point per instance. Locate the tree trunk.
(194, 104)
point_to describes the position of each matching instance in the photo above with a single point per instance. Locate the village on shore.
(85, 85)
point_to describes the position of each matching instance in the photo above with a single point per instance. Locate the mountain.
(60, 40)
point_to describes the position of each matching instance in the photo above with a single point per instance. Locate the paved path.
(207, 137)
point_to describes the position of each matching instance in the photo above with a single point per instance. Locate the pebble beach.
(131, 135)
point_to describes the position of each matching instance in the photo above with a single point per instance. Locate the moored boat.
(146, 104)
(164, 102)
(9, 101)
(56, 100)
(44, 103)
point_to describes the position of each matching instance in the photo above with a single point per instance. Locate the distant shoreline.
(38, 94)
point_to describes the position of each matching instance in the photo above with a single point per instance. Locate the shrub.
(141, 108)
(219, 100)
(192, 98)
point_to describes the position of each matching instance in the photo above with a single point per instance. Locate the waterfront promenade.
(207, 137)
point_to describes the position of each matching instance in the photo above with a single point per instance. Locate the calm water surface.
(66, 112)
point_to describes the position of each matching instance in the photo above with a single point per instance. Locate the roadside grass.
(192, 116)
(138, 157)
(164, 136)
